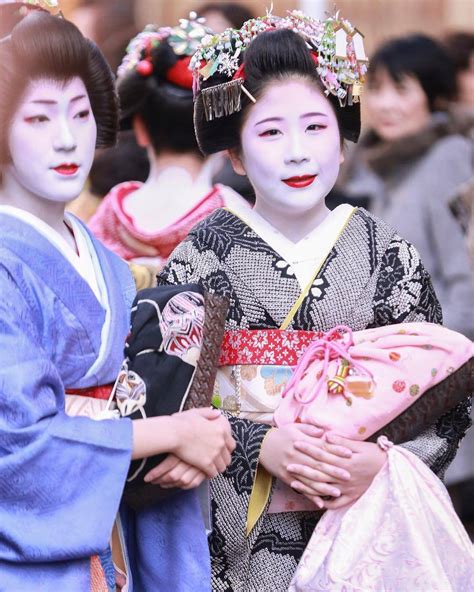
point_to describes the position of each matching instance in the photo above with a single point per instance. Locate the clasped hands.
(204, 446)
(318, 464)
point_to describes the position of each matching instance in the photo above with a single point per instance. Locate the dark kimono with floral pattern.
(371, 278)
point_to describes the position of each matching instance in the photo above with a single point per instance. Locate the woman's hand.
(175, 473)
(279, 452)
(365, 462)
(202, 439)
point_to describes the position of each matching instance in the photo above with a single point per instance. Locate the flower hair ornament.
(184, 39)
(44, 4)
(337, 49)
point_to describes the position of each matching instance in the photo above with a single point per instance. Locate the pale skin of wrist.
(145, 440)
(199, 439)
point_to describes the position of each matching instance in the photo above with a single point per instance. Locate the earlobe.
(141, 133)
(342, 158)
(236, 161)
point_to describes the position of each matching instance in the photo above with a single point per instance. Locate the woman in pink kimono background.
(143, 222)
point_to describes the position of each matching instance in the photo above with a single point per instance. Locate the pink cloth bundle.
(402, 535)
(395, 380)
(354, 384)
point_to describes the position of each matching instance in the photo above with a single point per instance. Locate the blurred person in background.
(110, 24)
(460, 46)
(223, 15)
(412, 161)
(461, 49)
(144, 222)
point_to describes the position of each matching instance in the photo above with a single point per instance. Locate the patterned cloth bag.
(395, 380)
(357, 383)
(402, 535)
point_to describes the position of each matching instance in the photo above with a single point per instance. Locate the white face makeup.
(52, 140)
(291, 149)
(396, 109)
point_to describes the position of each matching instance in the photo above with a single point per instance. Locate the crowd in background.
(413, 167)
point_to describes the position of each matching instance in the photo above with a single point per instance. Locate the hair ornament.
(184, 39)
(223, 99)
(144, 67)
(336, 46)
(44, 4)
(23, 7)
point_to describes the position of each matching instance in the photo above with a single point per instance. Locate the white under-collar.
(306, 255)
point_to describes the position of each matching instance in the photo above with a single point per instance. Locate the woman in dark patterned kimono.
(282, 106)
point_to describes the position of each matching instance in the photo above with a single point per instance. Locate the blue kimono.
(61, 477)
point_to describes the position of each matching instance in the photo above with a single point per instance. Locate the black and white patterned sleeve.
(404, 293)
(184, 265)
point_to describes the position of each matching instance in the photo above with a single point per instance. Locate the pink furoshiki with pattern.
(396, 380)
(403, 533)
(354, 384)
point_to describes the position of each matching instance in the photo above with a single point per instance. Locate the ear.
(141, 133)
(236, 161)
(342, 156)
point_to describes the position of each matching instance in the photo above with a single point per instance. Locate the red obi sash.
(94, 392)
(265, 347)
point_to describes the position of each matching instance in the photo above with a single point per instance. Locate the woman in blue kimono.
(64, 316)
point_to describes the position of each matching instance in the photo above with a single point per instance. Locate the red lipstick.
(300, 182)
(67, 169)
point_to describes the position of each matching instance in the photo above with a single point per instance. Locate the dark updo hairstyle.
(276, 55)
(45, 46)
(165, 108)
(423, 58)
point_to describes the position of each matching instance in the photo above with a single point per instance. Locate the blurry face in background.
(396, 109)
(52, 140)
(465, 80)
(216, 21)
(290, 149)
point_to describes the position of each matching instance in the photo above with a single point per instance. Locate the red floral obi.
(94, 392)
(274, 347)
(255, 366)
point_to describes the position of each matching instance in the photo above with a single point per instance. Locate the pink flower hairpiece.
(184, 40)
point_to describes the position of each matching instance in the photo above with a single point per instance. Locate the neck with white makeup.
(13, 193)
(192, 163)
(175, 184)
(292, 225)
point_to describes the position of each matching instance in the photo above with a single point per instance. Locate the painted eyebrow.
(268, 119)
(306, 115)
(50, 102)
(314, 114)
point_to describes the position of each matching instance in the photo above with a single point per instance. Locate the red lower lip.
(67, 169)
(300, 182)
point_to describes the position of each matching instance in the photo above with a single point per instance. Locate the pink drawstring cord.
(326, 348)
